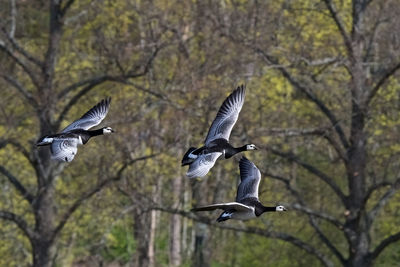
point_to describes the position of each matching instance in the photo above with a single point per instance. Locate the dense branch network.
(252, 230)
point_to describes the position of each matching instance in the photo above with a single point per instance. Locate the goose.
(64, 145)
(201, 160)
(247, 205)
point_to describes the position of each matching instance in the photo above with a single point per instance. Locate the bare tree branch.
(93, 82)
(20, 222)
(21, 50)
(21, 89)
(383, 79)
(324, 177)
(373, 188)
(317, 214)
(253, 230)
(326, 241)
(340, 26)
(66, 7)
(148, 91)
(13, 24)
(17, 184)
(301, 206)
(91, 192)
(323, 132)
(371, 40)
(310, 95)
(383, 244)
(383, 200)
(289, 132)
(82, 92)
(27, 70)
(18, 146)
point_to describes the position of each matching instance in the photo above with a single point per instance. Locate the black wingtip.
(241, 89)
(222, 219)
(244, 159)
(244, 166)
(106, 101)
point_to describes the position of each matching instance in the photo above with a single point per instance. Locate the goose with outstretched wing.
(247, 205)
(64, 145)
(201, 160)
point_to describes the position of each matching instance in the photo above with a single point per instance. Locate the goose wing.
(224, 206)
(91, 118)
(64, 149)
(250, 177)
(227, 116)
(202, 165)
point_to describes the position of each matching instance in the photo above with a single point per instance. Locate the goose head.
(280, 208)
(251, 147)
(107, 130)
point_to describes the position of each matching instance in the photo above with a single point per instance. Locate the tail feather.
(44, 141)
(224, 216)
(186, 160)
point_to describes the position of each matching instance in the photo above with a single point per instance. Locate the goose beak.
(256, 148)
(284, 209)
(112, 130)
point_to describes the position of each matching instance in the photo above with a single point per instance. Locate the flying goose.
(64, 145)
(201, 160)
(247, 205)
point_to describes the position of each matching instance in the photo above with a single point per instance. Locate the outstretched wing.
(202, 165)
(91, 118)
(227, 116)
(224, 206)
(250, 177)
(64, 149)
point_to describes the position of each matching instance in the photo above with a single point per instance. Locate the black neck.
(241, 148)
(260, 209)
(95, 132)
(230, 151)
(269, 209)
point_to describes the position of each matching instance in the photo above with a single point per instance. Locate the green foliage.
(119, 244)
(206, 49)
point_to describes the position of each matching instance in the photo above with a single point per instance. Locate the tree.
(358, 70)
(48, 96)
(322, 104)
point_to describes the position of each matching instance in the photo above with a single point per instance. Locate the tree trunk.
(201, 256)
(357, 156)
(175, 226)
(44, 215)
(141, 231)
(152, 234)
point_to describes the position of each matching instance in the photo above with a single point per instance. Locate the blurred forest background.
(322, 104)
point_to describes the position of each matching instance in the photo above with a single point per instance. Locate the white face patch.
(107, 130)
(280, 208)
(251, 147)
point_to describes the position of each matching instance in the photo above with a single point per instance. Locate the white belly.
(243, 215)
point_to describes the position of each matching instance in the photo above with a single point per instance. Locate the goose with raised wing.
(64, 145)
(201, 160)
(247, 205)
